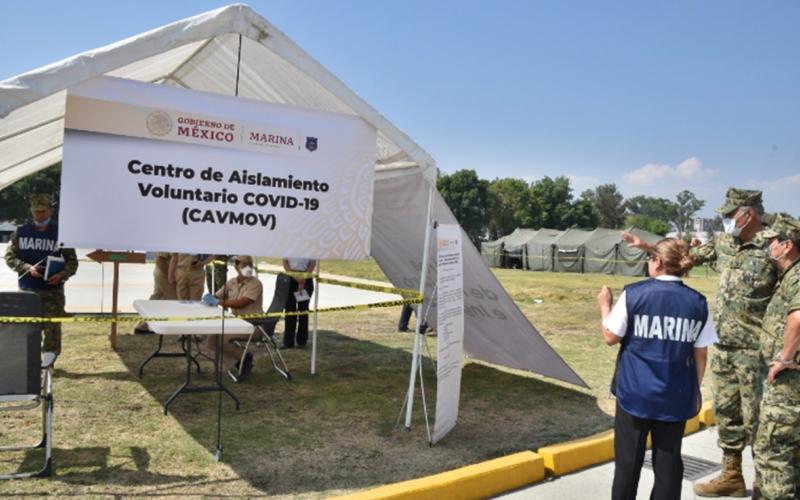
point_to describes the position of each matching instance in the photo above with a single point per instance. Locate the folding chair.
(21, 365)
(264, 333)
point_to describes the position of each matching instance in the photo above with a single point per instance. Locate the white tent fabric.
(198, 53)
(201, 53)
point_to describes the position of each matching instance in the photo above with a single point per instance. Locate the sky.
(653, 96)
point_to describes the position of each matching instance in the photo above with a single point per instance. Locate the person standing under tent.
(186, 271)
(29, 253)
(664, 329)
(162, 288)
(300, 292)
(243, 294)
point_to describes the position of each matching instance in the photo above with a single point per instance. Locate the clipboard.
(55, 264)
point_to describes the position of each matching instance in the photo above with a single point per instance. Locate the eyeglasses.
(652, 256)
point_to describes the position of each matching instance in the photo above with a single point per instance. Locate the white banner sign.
(449, 327)
(152, 167)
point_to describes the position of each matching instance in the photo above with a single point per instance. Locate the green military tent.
(600, 251)
(570, 249)
(575, 250)
(492, 252)
(539, 249)
(514, 251)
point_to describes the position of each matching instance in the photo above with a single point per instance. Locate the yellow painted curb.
(473, 481)
(692, 426)
(707, 413)
(573, 455)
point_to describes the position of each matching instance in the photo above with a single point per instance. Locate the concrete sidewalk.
(595, 482)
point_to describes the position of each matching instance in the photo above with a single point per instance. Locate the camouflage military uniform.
(777, 447)
(18, 257)
(747, 278)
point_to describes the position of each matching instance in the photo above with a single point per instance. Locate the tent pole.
(423, 277)
(314, 331)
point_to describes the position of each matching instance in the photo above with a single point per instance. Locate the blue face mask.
(43, 223)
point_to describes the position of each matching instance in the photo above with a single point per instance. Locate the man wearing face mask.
(747, 278)
(28, 253)
(777, 446)
(243, 295)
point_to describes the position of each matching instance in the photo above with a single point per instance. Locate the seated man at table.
(242, 295)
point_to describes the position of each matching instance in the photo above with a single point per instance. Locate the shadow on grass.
(91, 464)
(337, 430)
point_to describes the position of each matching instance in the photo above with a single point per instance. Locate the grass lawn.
(319, 435)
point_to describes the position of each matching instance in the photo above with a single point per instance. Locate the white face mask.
(729, 226)
(775, 258)
(43, 223)
(247, 272)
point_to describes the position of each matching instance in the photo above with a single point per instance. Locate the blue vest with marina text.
(657, 377)
(35, 246)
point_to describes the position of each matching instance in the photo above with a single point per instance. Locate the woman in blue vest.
(664, 329)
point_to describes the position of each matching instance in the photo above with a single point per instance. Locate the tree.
(551, 203)
(687, 206)
(656, 208)
(509, 201)
(14, 205)
(583, 212)
(610, 206)
(468, 198)
(655, 226)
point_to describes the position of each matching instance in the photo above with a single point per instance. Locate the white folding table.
(231, 325)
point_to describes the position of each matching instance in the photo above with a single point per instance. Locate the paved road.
(89, 291)
(596, 481)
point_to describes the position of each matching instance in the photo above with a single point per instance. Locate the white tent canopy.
(201, 53)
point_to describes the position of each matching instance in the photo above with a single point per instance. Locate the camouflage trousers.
(738, 375)
(777, 447)
(53, 305)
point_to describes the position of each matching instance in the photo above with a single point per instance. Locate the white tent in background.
(201, 53)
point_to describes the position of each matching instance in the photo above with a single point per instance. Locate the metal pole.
(114, 298)
(316, 323)
(423, 277)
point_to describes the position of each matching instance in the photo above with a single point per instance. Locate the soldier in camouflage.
(777, 446)
(747, 278)
(27, 254)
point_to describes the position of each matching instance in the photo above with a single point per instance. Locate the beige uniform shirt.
(250, 288)
(185, 261)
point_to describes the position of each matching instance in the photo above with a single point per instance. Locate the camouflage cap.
(784, 225)
(736, 198)
(41, 201)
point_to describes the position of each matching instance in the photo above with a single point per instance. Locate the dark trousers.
(297, 325)
(630, 443)
(405, 316)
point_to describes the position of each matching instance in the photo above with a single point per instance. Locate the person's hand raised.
(634, 241)
(604, 298)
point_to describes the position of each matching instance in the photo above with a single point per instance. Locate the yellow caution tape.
(409, 297)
